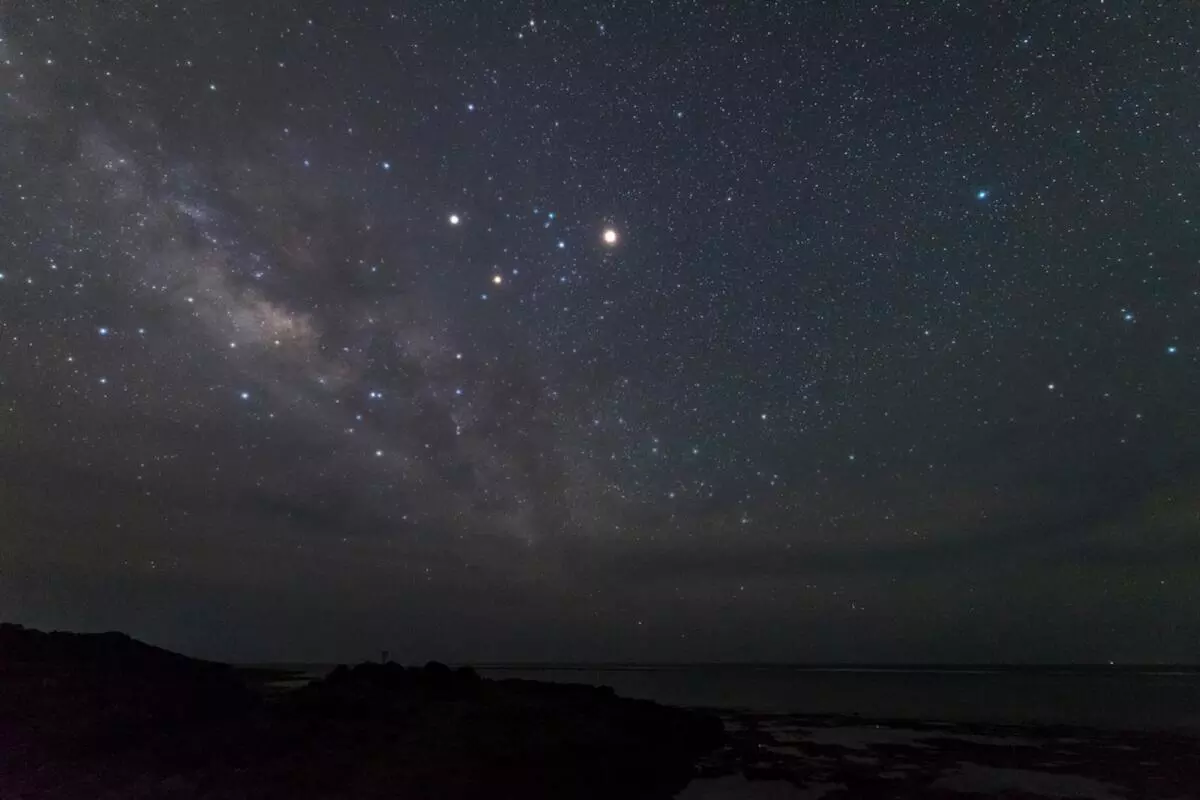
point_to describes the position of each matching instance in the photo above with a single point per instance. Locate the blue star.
(982, 194)
(103, 331)
(1172, 349)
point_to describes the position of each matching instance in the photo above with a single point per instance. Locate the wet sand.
(811, 757)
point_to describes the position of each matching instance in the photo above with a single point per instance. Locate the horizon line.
(812, 665)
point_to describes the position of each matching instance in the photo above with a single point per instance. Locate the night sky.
(676, 331)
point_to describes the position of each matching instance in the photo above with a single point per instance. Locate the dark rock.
(85, 716)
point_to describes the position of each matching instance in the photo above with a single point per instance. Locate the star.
(782, 272)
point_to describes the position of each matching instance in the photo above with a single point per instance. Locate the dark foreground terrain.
(105, 716)
(823, 757)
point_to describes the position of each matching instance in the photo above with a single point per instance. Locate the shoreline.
(851, 756)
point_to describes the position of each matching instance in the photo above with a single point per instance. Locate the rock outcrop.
(106, 716)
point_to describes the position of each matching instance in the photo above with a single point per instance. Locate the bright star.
(455, 219)
(387, 165)
(610, 236)
(245, 395)
(497, 279)
(982, 194)
(1172, 350)
(103, 331)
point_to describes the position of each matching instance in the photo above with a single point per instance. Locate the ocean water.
(1144, 699)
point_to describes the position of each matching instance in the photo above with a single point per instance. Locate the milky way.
(602, 332)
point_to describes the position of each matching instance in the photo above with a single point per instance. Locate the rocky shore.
(105, 716)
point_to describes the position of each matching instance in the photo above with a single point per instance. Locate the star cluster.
(677, 331)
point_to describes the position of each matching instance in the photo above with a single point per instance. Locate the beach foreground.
(793, 756)
(105, 716)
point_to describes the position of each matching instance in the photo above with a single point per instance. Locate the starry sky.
(598, 331)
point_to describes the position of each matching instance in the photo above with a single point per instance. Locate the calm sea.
(1119, 698)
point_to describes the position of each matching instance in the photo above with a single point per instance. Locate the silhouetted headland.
(103, 715)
